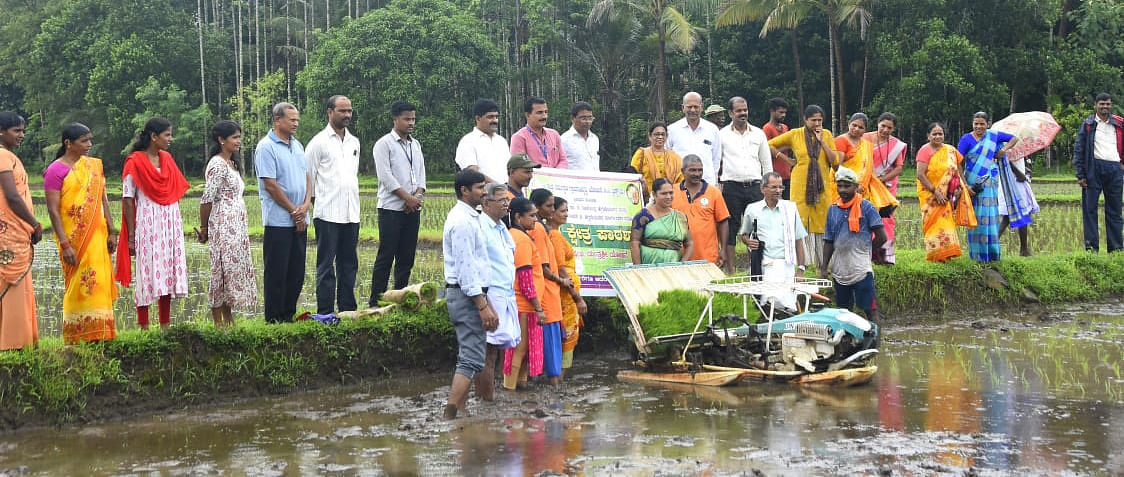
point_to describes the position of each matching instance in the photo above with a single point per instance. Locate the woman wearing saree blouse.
(655, 161)
(985, 168)
(858, 156)
(19, 232)
(659, 232)
(74, 186)
(887, 161)
(573, 306)
(938, 183)
(813, 181)
(152, 186)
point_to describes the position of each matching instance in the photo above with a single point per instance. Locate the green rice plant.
(678, 311)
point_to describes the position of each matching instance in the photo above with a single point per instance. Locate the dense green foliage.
(107, 63)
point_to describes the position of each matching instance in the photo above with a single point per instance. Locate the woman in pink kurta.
(151, 188)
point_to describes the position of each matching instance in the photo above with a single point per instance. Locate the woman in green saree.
(659, 232)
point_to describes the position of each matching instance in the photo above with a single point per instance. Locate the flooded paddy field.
(1030, 393)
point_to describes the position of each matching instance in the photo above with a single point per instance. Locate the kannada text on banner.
(599, 227)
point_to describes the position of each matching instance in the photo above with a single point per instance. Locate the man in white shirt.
(692, 135)
(483, 149)
(582, 146)
(745, 160)
(333, 162)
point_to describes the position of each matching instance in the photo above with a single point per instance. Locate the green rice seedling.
(678, 311)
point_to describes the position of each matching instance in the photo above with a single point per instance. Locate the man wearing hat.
(715, 114)
(520, 170)
(853, 229)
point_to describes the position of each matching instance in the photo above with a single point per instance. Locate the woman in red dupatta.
(152, 186)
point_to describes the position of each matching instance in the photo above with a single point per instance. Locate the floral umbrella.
(1035, 130)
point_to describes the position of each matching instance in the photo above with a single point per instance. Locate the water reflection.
(947, 398)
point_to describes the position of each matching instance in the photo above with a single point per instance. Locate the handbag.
(964, 212)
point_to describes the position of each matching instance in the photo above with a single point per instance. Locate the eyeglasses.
(774, 187)
(659, 134)
(504, 200)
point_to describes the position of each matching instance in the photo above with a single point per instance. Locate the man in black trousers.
(401, 170)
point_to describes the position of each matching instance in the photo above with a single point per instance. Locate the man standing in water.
(501, 282)
(851, 223)
(467, 273)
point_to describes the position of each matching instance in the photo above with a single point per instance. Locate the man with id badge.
(401, 171)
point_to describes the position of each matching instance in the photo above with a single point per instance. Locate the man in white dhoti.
(774, 224)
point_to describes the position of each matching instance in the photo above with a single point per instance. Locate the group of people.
(512, 288)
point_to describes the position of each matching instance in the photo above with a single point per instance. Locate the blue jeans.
(1106, 177)
(860, 294)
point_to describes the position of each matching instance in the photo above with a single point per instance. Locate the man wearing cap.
(520, 170)
(692, 135)
(745, 160)
(716, 115)
(847, 242)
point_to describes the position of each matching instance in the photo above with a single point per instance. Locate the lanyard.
(408, 149)
(542, 147)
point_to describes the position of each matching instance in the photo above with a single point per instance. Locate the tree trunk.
(866, 63)
(1063, 19)
(799, 74)
(836, 44)
(202, 68)
(659, 113)
(831, 78)
(709, 48)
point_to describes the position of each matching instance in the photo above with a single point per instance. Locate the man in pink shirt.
(542, 144)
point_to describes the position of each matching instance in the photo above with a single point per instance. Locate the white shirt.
(464, 250)
(489, 153)
(1104, 141)
(703, 141)
(334, 164)
(745, 156)
(582, 154)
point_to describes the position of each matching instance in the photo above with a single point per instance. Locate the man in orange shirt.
(707, 216)
(778, 108)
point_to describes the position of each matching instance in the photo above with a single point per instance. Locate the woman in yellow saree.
(938, 184)
(75, 191)
(859, 157)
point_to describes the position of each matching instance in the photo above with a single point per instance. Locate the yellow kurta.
(814, 216)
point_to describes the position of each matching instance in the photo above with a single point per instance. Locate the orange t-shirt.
(526, 255)
(551, 299)
(704, 212)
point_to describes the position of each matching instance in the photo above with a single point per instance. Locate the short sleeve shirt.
(285, 163)
(850, 261)
(704, 212)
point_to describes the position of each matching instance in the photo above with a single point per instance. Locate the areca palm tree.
(788, 14)
(670, 24)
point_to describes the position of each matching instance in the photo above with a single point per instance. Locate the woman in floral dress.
(222, 215)
(152, 186)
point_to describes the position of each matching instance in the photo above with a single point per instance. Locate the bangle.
(38, 228)
(539, 310)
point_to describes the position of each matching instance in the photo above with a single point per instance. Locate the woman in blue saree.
(986, 168)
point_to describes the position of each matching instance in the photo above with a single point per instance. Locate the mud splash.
(995, 394)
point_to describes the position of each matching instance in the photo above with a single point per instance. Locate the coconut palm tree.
(666, 17)
(788, 14)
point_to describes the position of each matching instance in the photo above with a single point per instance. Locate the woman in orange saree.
(19, 232)
(75, 190)
(859, 157)
(573, 306)
(938, 184)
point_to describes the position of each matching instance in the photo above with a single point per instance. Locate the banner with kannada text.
(599, 226)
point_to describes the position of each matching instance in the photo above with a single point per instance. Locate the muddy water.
(1040, 394)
